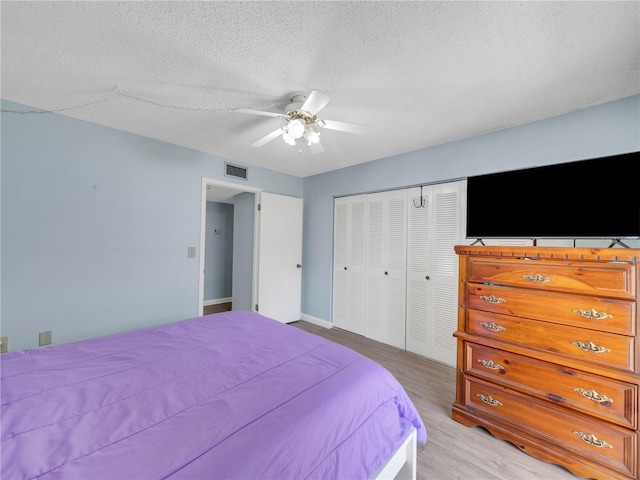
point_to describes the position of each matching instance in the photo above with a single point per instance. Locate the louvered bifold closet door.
(447, 228)
(434, 228)
(448, 232)
(385, 287)
(419, 270)
(348, 263)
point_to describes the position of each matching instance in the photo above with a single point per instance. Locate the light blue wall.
(96, 224)
(597, 131)
(218, 251)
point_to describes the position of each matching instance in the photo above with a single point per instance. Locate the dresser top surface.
(627, 255)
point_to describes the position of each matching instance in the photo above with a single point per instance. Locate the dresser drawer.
(596, 395)
(606, 279)
(597, 347)
(609, 315)
(608, 444)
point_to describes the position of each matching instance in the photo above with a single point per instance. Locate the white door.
(444, 280)
(348, 263)
(432, 270)
(386, 267)
(419, 269)
(280, 257)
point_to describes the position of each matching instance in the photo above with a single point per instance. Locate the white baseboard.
(216, 301)
(316, 321)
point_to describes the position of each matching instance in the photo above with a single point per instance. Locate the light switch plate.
(4, 344)
(45, 338)
(191, 252)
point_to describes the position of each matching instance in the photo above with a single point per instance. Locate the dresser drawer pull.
(591, 314)
(590, 347)
(537, 278)
(492, 299)
(490, 364)
(489, 400)
(593, 395)
(592, 440)
(492, 327)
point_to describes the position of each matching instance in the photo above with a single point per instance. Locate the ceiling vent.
(235, 171)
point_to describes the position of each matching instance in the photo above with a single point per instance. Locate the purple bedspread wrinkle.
(233, 395)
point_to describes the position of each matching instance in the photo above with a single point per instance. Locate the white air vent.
(235, 171)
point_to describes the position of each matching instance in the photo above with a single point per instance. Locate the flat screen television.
(594, 198)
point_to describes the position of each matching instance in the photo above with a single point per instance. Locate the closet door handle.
(427, 277)
(298, 266)
(386, 273)
(345, 268)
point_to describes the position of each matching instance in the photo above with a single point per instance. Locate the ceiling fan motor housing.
(306, 117)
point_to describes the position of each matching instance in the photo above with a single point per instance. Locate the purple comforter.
(232, 396)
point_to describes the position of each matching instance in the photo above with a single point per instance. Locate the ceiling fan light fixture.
(311, 136)
(296, 128)
(286, 136)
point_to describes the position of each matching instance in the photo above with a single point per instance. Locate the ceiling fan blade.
(344, 126)
(316, 147)
(315, 102)
(259, 112)
(267, 138)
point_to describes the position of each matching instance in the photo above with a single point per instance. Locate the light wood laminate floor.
(453, 451)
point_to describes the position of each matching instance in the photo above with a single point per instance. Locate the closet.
(395, 269)
(349, 230)
(386, 263)
(435, 224)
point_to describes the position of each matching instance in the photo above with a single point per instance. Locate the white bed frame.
(403, 464)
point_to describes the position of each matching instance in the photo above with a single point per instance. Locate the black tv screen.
(594, 198)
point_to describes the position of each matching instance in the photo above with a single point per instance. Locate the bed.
(233, 395)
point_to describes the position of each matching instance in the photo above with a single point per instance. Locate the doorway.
(224, 192)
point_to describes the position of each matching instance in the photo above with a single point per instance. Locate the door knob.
(298, 266)
(427, 277)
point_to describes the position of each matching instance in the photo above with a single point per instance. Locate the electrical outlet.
(45, 338)
(4, 344)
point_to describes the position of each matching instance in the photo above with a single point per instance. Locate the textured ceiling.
(415, 74)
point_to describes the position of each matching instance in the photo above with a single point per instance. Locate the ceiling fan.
(301, 117)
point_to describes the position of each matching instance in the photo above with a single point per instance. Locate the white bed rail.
(403, 464)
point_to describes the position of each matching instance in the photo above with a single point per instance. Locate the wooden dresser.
(548, 353)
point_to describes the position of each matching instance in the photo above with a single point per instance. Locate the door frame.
(203, 224)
